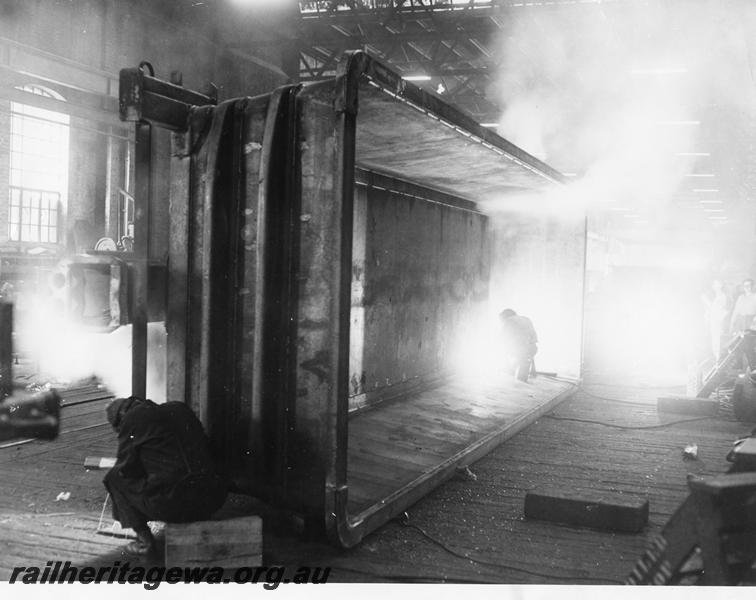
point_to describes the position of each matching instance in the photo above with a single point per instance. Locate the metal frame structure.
(260, 267)
(145, 100)
(451, 43)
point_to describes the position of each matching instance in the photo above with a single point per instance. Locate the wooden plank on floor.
(230, 543)
(407, 495)
(406, 445)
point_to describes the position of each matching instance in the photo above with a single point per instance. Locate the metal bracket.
(142, 97)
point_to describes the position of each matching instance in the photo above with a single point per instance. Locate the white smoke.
(622, 94)
(64, 353)
(612, 91)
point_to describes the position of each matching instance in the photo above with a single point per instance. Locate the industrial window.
(38, 170)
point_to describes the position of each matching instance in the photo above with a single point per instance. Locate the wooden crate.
(231, 543)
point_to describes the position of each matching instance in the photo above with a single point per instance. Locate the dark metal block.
(598, 510)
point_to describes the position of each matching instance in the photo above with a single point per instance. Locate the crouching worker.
(163, 471)
(520, 343)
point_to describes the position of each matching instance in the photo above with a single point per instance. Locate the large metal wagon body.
(284, 325)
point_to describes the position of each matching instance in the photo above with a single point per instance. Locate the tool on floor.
(112, 528)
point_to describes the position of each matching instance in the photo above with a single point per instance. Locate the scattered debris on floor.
(690, 452)
(467, 473)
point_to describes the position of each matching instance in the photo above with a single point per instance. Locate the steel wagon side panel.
(326, 178)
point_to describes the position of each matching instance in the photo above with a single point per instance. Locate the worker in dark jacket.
(520, 342)
(163, 471)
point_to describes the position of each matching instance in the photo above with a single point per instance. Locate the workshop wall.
(86, 184)
(107, 35)
(419, 269)
(4, 169)
(76, 48)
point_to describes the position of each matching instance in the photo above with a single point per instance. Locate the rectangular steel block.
(611, 511)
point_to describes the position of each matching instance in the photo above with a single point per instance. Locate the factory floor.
(471, 529)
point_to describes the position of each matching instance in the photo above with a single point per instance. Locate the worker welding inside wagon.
(520, 343)
(164, 470)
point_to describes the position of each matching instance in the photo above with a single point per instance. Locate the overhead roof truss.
(450, 42)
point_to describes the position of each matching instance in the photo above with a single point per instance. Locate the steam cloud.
(602, 90)
(610, 91)
(66, 353)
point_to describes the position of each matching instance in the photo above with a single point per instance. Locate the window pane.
(32, 199)
(41, 113)
(13, 232)
(38, 168)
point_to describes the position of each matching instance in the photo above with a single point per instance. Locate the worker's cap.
(119, 407)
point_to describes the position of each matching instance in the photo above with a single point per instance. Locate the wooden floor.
(470, 529)
(34, 525)
(397, 443)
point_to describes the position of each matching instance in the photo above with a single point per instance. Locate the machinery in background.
(744, 397)
(739, 363)
(25, 415)
(709, 540)
(744, 393)
(739, 354)
(92, 291)
(22, 414)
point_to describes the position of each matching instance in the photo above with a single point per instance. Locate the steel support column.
(142, 188)
(6, 349)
